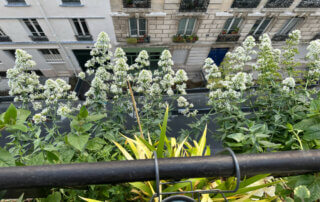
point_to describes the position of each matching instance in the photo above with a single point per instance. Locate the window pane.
(70, 1)
(263, 26)
(84, 26)
(227, 24)
(30, 27)
(182, 25)
(133, 26)
(289, 26)
(190, 26)
(77, 26)
(142, 27)
(39, 29)
(235, 25)
(255, 26)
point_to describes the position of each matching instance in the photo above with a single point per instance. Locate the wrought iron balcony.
(136, 3)
(194, 5)
(228, 37)
(309, 4)
(84, 37)
(245, 3)
(280, 37)
(39, 38)
(317, 36)
(278, 3)
(5, 39)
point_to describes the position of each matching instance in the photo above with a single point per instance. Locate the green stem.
(299, 140)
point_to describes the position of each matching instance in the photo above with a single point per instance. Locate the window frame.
(260, 24)
(80, 22)
(21, 3)
(53, 55)
(2, 33)
(71, 4)
(138, 27)
(186, 26)
(37, 32)
(289, 21)
(231, 24)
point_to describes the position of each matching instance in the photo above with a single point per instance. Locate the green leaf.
(152, 148)
(142, 187)
(37, 159)
(54, 197)
(89, 200)
(96, 117)
(306, 123)
(10, 116)
(95, 144)
(20, 127)
(315, 106)
(52, 157)
(252, 180)
(20, 199)
(239, 137)
(163, 134)
(302, 192)
(312, 133)
(78, 141)
(288, 199)
(6, 159)
(83, 113)
(269, 144)
(23, 115)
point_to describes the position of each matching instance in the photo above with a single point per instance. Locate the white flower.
(37, 105)
(82, 75)
(290, 82)
(181, 76)
(63, 110)
(39, 118)
(182, 102)
(145, 76)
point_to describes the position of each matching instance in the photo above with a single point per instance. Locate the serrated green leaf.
(10, 116)
(83, 113)
(95, 144)
(23, 115)
(20, 127)
(96, 117)
(78, 141)
(302, 192)
(6, 159)
(312, 133)
(238, 137)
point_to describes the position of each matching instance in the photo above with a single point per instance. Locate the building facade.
(196, 29)
(57, 33)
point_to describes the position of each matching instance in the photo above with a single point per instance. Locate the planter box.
(185, 39)
(279, 37)
(228, 37)
(135, 40)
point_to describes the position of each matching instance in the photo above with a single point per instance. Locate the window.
(309, 4)
(35, 29)
(136, 4)
(51, 55)
(245, 3)
(278, 3)
(289, 26)
(260, 26)
(138, 26)
(81, 29)
(186, 26)
(16, 2)
(71, 2)
(232, 26)
(154, 55)
(3, 36)
(11, 53)
(194, 5)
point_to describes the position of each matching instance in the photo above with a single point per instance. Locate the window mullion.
(262, 21)
(230, 25)
(34, 27)
(81, 27)
(287, 25)
(138, 26)
(186, 26)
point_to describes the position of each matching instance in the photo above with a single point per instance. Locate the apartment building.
(196, 29)
(57, 33)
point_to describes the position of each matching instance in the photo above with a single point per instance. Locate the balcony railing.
(228, 37)
(194, 5)
(136, 3)
(84, 37)
(39, 38)
(245, 3)
(280, 37)
(279, 3)
(5, 39)
(135, 40)
(309, 4)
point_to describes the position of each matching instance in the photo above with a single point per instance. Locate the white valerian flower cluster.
(313, 57)
(39, 118)
(142, 60)
(183, 102)
(287, 84)
(24, 85)
(64, 109)
(82, 75)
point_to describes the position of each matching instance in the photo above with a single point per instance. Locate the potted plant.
(132, 40)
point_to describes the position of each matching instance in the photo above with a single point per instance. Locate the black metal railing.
(280, 37)
(194, 5)
(84, 37)
(278, 3)
(5, 39)
(39, 38)
(309, 4)
(245, 3)
(136, 3)
(228, 37)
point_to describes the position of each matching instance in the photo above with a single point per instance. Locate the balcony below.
(5, 39)
(135, 40)
(228, 37)
(136, 3)
(280, 37)
(245, 3)
(84, 37)
(39, 38)
(194, 6)
(278, 3)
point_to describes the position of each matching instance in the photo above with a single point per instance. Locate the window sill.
(56, 62)
(71, 5)
(17, 5)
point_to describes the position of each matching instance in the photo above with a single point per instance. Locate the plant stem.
(299, 140)
(135, 108)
